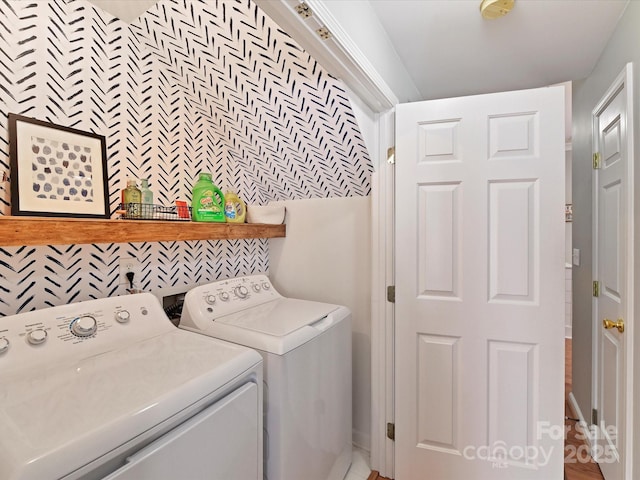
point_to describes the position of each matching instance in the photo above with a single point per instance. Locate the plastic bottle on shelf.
(122, 206)
(132, 200)
(146, 198)
(207, 201)
(234, 208)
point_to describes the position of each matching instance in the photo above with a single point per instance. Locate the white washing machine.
(306, 347)
(111, 389)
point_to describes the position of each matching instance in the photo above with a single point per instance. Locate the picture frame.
(56, 171)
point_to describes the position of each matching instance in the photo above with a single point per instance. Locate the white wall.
(326, 256)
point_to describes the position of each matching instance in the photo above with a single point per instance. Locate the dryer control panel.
(88, 328)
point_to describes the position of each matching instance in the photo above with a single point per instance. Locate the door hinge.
(594, 416)
(304, 10)
(391, 431)
(596, 288)
(596, 160)
(391, 155)
(391, 294)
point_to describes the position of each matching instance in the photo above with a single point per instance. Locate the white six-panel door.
(480, 287)
(613, 232)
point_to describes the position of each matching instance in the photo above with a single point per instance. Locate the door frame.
(382, 311)
(623, 80)
(342, 57)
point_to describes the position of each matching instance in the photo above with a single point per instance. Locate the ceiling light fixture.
(491, 9)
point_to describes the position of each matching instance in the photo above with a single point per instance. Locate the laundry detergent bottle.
(234, 208)
(207, 201)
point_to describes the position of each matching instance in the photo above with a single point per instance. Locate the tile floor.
(359, 465)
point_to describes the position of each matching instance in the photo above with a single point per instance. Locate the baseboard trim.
(361, 440)
(575, 408)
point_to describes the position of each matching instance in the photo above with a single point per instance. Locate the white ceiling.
(450, 50)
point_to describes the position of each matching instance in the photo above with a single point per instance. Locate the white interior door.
(611, 242)
(480, 287)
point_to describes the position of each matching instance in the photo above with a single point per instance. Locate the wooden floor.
(376, 476)
(575, 467)
(578, 465)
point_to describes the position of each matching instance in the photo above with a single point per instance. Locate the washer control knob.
(36, 337)
(224, 296)
(84, 326)
(241, 291)
(210, 299)
(123, 316)
(4, 345)
(266, 285)
(256, 287)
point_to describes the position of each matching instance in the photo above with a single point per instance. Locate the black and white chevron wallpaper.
(190, 86)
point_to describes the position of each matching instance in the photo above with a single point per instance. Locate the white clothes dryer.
(111, 389)
(306, 348)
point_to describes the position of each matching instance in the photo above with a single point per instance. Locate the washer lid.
(276, 327)
(280, 317)
(58, 418)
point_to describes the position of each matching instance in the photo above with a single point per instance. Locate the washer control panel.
(91, 327)
(232, 295)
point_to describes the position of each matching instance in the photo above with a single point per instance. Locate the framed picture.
(56, 170)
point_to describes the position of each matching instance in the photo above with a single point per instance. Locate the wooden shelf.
(17, 231)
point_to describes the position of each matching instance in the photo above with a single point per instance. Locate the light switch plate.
(575, 257)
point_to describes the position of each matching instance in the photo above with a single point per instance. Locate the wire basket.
(150, 211)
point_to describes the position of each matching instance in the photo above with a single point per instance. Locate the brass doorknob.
(606, 323)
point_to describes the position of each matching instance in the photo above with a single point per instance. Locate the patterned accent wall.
(286, 126)
(190, 86)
